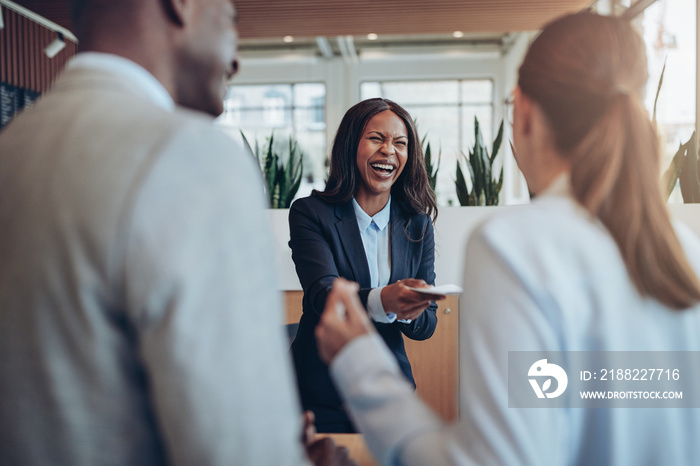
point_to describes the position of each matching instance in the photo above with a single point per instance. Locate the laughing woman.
(372, 225)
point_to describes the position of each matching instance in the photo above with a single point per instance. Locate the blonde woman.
(594, 265)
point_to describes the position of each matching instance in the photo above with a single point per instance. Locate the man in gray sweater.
(139, 319)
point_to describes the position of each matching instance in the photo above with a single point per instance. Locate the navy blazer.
(326, 244)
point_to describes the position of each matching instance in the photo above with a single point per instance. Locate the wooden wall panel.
(293, 304)
(435, 362)
(23, 62)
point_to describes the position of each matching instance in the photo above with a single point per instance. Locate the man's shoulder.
(100, 112)
(198, 126)
(97, 100)
(120, 137)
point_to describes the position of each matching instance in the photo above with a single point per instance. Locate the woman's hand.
(406, 303)
(343, 320)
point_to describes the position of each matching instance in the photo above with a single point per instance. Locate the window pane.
(315, 164)
(260, 96)
(310, 119)
(440, 124)
(369, 90)
(309, 95)
(421, 92)
(477, 91)
(268, 118)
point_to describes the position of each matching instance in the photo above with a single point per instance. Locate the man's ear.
(178, 11)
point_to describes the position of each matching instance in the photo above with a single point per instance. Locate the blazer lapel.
(400, 249)
(349, 235)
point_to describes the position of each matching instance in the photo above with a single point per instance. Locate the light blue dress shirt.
(374, 232)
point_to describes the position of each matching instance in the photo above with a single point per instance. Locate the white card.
(438, 290)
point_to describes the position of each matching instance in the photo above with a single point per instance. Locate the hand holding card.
(441, 290)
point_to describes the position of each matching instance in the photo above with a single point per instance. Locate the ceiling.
(310, 18)
(54, 10)
(273, 19)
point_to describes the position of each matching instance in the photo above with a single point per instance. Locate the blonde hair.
(587, 72)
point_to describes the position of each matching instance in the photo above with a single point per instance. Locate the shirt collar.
(560, 187)
(381, 219)
(126, 69)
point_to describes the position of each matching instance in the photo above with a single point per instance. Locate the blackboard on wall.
(12, 100)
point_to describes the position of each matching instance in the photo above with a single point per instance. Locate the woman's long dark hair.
(587, 73)
(411, 191)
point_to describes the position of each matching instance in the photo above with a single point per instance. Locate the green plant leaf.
(257, 154)
(434, 174)
(426, 152)
(480, 163)
(476, 172)
(293, 173)
(430, 169)
(497, 188)
(670, 176)
(690, 176)
(658, 90)
(484, 189)
(275, 202)
(270, 170)
(291, 192)
(497, 143)
(471, 170)
(282, 180)
(461, 187)
(487, 181)
(247, 147)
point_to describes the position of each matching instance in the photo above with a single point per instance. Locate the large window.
(285, 110)
(444, 112)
